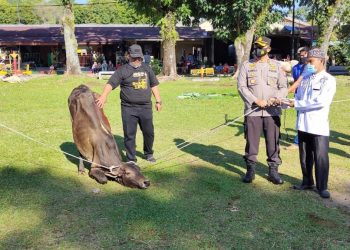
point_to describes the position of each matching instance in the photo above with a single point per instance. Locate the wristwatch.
(159, 102)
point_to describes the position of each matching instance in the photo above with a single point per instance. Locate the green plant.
(156, 65)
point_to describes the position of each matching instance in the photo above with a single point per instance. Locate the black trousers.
(133, 116)
(313, 149)
(270, 127)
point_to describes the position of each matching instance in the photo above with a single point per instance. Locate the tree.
(50, 12)
(166, 13)
(302, 13)
(340, 48)
(7, 12)
(105, 12)
(239, 20)
(327, 14)
(335, 13)
(70, 41)
(21, 11)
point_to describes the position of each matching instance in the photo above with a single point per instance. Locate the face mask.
(308, 71)
(302, 60)
(260, 52)
(311, 69)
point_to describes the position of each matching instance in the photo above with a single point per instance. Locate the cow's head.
(129, 175)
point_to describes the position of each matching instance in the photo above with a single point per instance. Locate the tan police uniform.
(262, 80)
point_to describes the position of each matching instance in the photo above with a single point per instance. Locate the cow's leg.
(81, 169)
(98, 174)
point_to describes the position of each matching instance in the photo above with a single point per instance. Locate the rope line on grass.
(192, 140)
(49, 146)
(163, 154)
(345, 100)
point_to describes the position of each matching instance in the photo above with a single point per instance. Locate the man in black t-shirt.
(137, 82)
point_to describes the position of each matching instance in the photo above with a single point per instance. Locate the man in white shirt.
(312, 101)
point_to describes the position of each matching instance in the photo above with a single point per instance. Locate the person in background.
(110, 66)
(219, 69)
(226, 69)
(94, 68)
(51, 69)
(312, 101)
(104, 66)
(99, 67)
(147, 58)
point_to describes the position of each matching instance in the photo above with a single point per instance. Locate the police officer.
(137, 83)
(259, 80)
(312, 101)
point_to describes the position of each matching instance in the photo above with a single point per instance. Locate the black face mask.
(302, 60)
(259, 52)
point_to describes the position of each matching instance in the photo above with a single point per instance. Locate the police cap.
(263, 41)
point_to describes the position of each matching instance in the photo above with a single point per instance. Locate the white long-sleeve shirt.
(312, 101)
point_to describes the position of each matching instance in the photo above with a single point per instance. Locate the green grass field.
(196, 199)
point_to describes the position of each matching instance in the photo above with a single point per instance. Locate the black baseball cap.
(135, 51)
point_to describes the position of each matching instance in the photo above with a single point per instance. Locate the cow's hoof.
(82, 172)
(98, 175)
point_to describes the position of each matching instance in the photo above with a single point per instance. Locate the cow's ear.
(133, 165)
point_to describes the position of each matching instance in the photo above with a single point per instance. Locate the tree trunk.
(333, 20)
(169, 59)
(249, 36)
(70, 41)
(243, 47)
(240, 50)
(169, 36)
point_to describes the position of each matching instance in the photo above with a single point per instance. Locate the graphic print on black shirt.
(142, 80)
(135, 84)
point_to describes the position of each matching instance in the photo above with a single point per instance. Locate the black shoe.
(274, 177)
(303, 187)
(325, 194)
(150, 158)
(250, 175)
(132, 160)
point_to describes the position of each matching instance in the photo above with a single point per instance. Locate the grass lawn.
(196, 199)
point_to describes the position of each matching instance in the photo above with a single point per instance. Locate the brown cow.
(95, 142)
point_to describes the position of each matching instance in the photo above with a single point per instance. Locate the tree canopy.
(50, 12)
(106, 12)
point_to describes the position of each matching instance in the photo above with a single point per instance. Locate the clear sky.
(80, 1)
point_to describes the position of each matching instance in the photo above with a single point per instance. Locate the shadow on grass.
(227, 159)
(286, 139)
(201, 208)
(120, 142)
